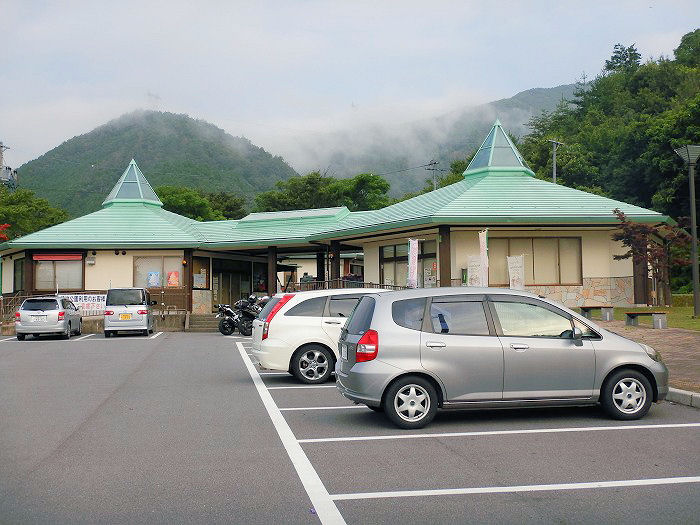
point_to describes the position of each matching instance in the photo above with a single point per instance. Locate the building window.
(18, 284)
(200, 273)
(548, 260)
(61, 275)
(158, 272)
(393, 264)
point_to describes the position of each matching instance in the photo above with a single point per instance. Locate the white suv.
(298, 332)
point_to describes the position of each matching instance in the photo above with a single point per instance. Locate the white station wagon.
(298, 332)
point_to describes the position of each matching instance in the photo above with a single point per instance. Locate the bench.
(658, 319)
(606, 311)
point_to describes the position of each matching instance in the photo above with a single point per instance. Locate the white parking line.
(7, 339)
(274, 373)
(83, 337)
(155, 335)
(325, 509)
(518, 488)
(500, 432)
(323, 408)
(300, 386)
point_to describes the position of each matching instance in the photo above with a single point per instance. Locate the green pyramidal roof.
(497, 151)
(132, 186)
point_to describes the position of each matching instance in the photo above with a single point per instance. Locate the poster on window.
(153, 280)
(484, 257)
(199, 280)
(412, 278)
(173, 278)
(474, 274)
(516, 271)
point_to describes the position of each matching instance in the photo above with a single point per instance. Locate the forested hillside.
(170, 149)
(620, 132)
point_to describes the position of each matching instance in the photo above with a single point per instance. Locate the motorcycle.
(248, 309)
(241, 316)
(230, 319)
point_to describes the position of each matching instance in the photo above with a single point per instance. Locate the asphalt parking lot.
(183, 427)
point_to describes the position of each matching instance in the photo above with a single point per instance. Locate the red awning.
(58, 257)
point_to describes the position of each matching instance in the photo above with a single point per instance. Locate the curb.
(683, 397)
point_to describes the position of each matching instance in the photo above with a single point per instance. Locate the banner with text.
(412, 278)
(516, 271)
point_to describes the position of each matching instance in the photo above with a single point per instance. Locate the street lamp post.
(690, 154)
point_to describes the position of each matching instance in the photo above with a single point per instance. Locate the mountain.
(386, 148)
(169, 148)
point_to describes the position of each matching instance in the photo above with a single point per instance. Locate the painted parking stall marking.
(323, 504)
(155, 335)
(344, 407)
(83, 337)
(498, 432)
(314, 406)
(518, 488)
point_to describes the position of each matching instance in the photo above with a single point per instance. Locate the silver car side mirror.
(577, 336)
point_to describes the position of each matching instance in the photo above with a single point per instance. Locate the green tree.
(623, 59)
(188, 202)
(688, 52)
(314, 190)
(228, 205)
(27, 213)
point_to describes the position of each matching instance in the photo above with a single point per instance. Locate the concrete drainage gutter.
(683, 397)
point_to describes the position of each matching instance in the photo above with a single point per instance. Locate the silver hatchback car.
(128, 309)
(48, 315)
(410, 352)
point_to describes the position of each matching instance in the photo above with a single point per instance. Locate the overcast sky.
(268, 70)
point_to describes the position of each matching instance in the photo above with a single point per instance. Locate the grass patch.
(678, 316)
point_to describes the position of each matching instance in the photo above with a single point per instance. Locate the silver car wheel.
(629, 395)
(313, 364)
(412, 403)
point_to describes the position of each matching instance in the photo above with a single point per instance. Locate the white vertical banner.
(484, 256)
(474, 270)
(516, 271)
(412, 277)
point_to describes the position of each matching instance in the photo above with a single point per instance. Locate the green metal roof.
(497, 150)
(498, 189)
(132, 186)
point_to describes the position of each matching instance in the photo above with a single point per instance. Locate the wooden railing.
(169, 300)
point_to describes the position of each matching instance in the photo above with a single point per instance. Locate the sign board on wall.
(474, 273)
(89, 304)
(516, 271)
(484, 256)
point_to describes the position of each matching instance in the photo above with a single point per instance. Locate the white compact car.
(298, 332)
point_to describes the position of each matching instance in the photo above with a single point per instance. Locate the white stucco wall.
(112, 270)
(8, 269)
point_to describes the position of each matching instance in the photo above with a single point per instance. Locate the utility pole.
(433, 166)
(690, 155)
(554, 159)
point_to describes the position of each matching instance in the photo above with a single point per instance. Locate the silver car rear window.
(125, 297)
(40, 304)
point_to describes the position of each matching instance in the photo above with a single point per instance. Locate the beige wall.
(113, 271)
(597, 249)
(8, 272)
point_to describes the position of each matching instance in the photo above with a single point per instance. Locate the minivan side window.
(458, 317)
(408, 313)
(309, 308)
(529, 320)
(342, 305)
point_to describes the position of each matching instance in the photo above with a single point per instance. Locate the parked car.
(298, 332)
(128, 309)
(47, 315)
(410, 352)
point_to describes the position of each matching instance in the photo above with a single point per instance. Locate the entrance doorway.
(230, 280)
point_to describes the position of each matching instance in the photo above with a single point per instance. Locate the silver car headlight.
(651, 352)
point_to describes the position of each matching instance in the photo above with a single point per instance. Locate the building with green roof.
(563, 234)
